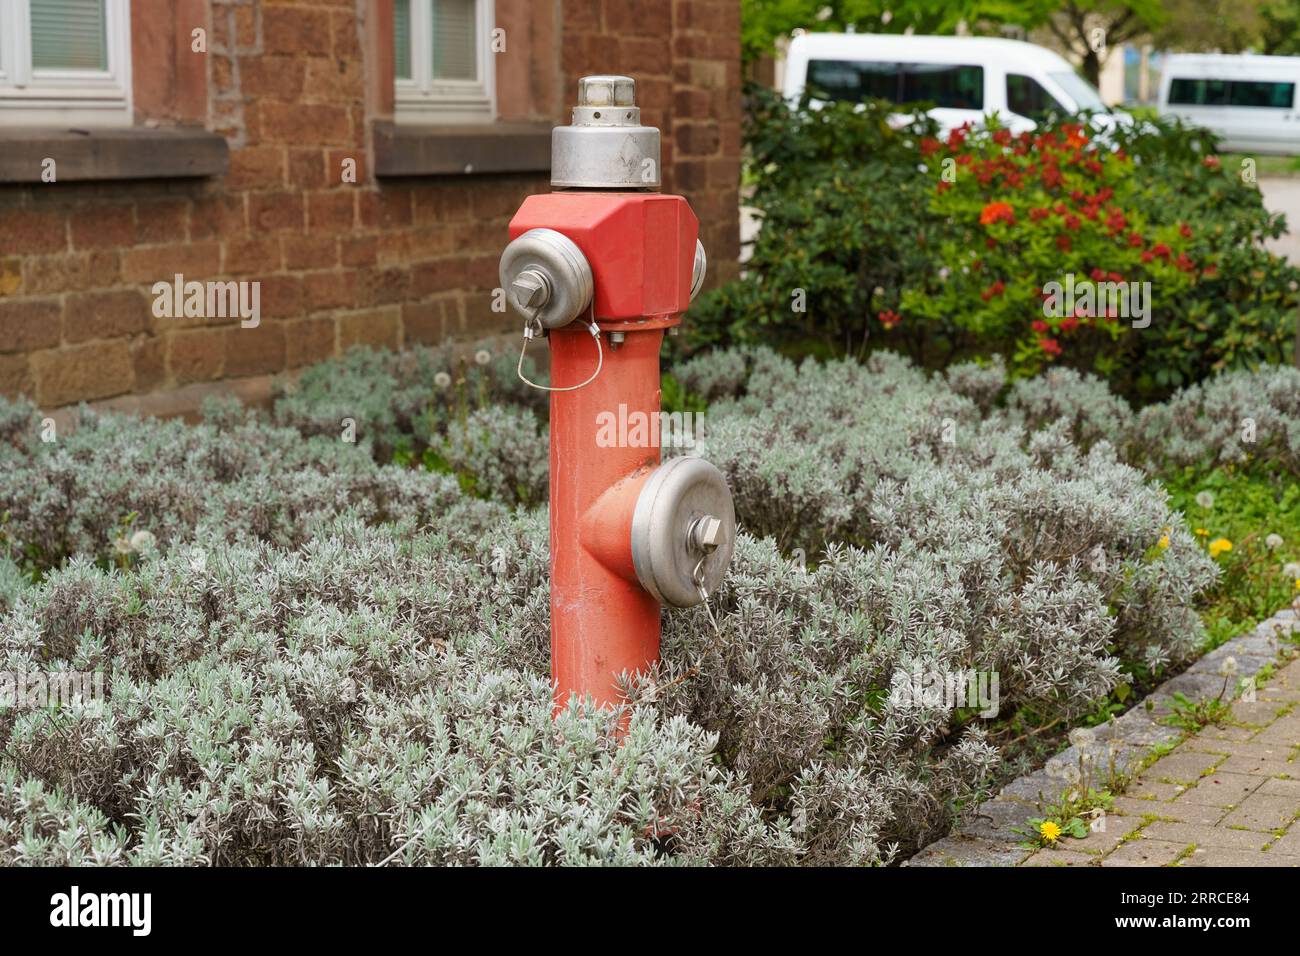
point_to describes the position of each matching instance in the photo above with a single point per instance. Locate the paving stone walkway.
(1228, 795)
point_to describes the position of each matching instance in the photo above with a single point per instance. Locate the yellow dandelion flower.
(1049, 831)
(1218, 546)
(1202, 533)
(1163, 543)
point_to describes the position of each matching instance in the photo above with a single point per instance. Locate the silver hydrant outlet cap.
(546, 276)
(605, 147)
(684, 519)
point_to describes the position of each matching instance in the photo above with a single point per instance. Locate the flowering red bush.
(880, 234)
(1059, 206)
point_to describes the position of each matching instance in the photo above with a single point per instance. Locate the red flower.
(1210, 271)
(1096, 275)
(1072, 223)
(930, 145)
(1161, 250)
(889, 318)
(1135, 240)
(1211, 162)
(1039, 326)
(1038, 215)
(957, 137)
(943, 186)
(1148, 256)
(1063, 243)
(1050, 346)
(997, 212)
(1002, 137)
(1093, 167)
(1186, 231)
(995, 289)
(1184, 263)
(1069, 324)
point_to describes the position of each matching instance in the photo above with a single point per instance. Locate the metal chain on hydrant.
(697, 578)
(533, 328)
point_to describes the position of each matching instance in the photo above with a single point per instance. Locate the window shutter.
(69, 35)
(454, 41)
(402, 38)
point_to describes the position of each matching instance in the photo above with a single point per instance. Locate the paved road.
(1283, 195)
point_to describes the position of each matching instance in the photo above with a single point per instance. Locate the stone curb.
(988, 836)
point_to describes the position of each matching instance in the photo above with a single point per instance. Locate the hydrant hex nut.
(606, 91)
(684, 520)
(706, 533)
(530, 290)
(548, 277)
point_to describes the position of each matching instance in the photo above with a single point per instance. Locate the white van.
(967, 78)
(1250, 101)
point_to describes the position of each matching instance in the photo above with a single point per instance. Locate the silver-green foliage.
(328, 661)
(1239, 417)
(358, 699)
(110, 476)
(392, 397)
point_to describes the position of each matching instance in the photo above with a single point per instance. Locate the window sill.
(408, 150)
(111, 153)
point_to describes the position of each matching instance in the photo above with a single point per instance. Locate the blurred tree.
(762, 21)
(1230, 26)
(1280, 28)
(1090, 29)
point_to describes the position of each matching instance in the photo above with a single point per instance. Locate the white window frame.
(46, 97)
(424, 100)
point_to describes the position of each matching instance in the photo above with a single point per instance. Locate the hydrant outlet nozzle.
(548, 277)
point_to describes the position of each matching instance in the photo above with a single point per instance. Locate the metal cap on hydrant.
(606, 147)
(601, 268)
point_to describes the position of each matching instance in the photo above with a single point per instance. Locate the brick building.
(215, 139)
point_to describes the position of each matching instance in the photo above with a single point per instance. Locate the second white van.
(1250, 101)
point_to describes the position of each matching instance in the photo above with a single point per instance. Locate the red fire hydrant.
(601, 267)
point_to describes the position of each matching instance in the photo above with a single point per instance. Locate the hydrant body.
(615, 533)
